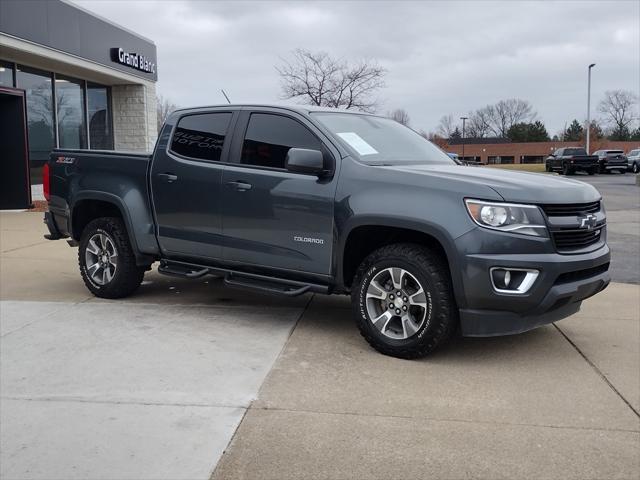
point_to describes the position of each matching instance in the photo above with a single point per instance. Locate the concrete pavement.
(526, 406)
(150, 387)
(155, 386)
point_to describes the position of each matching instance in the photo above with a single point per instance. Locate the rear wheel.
(635, 168)
(403, 301)
(107, 262)
(591, 171)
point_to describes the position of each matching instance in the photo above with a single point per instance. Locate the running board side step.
(253, 281)
(267, 286)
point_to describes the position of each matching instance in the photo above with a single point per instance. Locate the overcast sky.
(442, 57)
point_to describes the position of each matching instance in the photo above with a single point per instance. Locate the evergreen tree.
(574, 132)
(620, 133)
(528, 132)
(455, 135)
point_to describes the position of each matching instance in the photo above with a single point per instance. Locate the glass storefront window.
(39, 88)
(70, 113)
(6, 74)
(100, 135)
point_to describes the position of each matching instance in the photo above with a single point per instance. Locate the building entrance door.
(15, 184)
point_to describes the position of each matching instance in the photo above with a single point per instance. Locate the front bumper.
(564, 281)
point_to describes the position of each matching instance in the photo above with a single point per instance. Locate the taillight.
(45, 182)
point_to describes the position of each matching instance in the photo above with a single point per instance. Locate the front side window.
(269, 138)
(70, 113)
(201, 136)
(381, 141)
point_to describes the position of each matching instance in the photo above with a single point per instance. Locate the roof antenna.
(225, 96)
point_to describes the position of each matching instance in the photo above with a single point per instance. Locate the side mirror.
(302, 160)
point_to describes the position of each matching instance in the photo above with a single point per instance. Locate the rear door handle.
(168, 177)
(240, 186)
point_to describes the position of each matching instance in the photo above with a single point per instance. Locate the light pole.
(589, 105)
(464, 119)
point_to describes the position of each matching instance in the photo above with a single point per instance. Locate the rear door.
(274, 218)
(185, 184)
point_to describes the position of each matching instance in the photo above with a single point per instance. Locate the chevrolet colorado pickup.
(291, 200)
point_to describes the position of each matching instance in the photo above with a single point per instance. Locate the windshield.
(381, 141)
(575, 151)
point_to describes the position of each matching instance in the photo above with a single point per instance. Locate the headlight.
(508, 217)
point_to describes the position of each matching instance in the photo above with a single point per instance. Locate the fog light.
(512, 280)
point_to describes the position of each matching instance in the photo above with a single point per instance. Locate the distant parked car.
(610, 160)
(571, 159)
(633, 160)
(454, 156)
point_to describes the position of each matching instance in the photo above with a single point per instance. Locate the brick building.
(89, 83)
(500, 150)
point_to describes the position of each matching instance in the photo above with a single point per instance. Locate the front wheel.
(403, 302)
(566, 169)
(107, 262)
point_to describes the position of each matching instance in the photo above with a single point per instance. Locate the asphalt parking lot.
(622, 200)
(189, 379)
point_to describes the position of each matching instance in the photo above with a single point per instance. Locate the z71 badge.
(66, 160)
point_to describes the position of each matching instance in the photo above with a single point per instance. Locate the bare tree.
(322, 80)
(163, 109)
(446, 127)
(506, 113)
(618, 108)
(478, 125)
(400, 115)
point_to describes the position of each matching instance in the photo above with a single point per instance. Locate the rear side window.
(201, 136)
(269, 138)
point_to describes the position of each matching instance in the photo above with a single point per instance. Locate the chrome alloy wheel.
(101, 258)
(397, 304)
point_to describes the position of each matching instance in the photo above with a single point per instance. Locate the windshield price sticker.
(358, 143)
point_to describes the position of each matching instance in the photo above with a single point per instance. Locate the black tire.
(127, 276)
(635, 168)
(622, 172)
(591, 171)
(547, 167)
(602, 170)
(566, 169)
(440, 317)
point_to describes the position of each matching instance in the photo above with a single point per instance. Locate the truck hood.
(522, 187)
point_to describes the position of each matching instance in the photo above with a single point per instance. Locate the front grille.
(566, 240)
(582, 274)
(571, 209)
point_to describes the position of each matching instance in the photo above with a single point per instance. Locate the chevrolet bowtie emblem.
(588, 222)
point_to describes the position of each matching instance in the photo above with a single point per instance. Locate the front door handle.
(240, 186)
(168, 177)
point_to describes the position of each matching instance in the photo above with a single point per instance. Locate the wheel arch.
(90, 205)
(369, 234)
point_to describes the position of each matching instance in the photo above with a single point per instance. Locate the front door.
(185, 180)
(274, 218)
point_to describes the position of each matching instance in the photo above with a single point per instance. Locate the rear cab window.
(201, 136)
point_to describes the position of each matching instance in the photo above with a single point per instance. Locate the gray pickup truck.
(291, 200)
